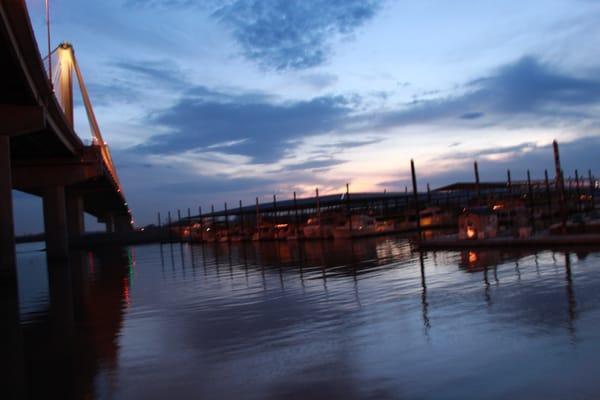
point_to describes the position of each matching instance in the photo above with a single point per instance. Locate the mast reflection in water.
(340, 319)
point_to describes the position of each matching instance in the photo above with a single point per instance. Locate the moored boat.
(356, 226)
(435, 217)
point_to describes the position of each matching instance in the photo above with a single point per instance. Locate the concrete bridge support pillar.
(7, 229)
(109, 220)
(122, 223)
(55, 223)
(75, 219)
(12, 380)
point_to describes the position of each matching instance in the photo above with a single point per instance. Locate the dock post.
(275, 220)
(159, 227)
(477, 188)
(212, 222)
(384, 204)
(428, 194)
(348, 207)
(577, 191)
(179, 227)
(560, 187)
(189, 224)
(415, 195)
(592, 189)
(295, 216)
(201, 223)
(242, 225)
(319, 214)
(169, 227)
(257, 219)
(548, 194)
(509, 182)
(531, 204)
(227, 223)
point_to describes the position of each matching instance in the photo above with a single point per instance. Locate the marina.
(310, 217)
(507, 212)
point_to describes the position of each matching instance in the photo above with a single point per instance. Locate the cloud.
(313, 164)
(162, 72)
(292, 34)
(104, 94)
(525, 89)
(530, 86)
(217, 184)
(319, 80)
(249, 125)
(265, 130)
(578, 154)
(472, 115)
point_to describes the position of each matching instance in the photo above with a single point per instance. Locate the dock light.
(471, 232)
(472, 257)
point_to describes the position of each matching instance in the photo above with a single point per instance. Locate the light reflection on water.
(362, 319)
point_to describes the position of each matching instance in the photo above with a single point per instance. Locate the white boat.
(264, 232)
(435, 216)
(386, 226)
(315, 229)
(356, 226)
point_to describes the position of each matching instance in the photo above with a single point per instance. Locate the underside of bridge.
(41, 154)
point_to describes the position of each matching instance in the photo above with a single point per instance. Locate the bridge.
(40, 152)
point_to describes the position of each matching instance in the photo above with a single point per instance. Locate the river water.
(368, 319)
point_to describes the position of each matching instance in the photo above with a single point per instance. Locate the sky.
(210, 101)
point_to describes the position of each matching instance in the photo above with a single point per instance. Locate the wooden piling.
(201, 223)
(592, 189)
(242, 224)
(319, 213)
(415, 195)
(169, 227)
(548, 194)
(428, 194)
(179, 227)
(212, 221)
(295, 216)
(189, 224)
(384, 204)
(509, 181)
(477, 188)
(530, 195)
(275, 219)
(257, 219)
(348, 207)
(227, 223)
(577, 191)
(560, 187)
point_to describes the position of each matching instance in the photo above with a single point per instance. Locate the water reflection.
(279, 320)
